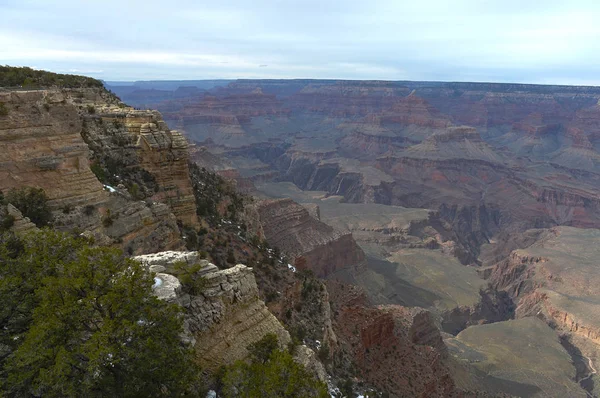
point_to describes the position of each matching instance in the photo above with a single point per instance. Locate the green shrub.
(91, 109)
(261, 350)
(272, 373)
(88, 210)
(134, 191)
(83, 322)
(3, 109)
(6, 222)
(32, 203)
(231, 257)
(99, 172)
(191, 282)
(107, 219)
(11, 76)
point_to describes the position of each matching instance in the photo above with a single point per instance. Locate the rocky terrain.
(226, 316)
(408, 238)
(44, 145)
(476, 201)
(121, 177)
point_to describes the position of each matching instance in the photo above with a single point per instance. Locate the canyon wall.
(47, 140)
(128, 141)
(41, 146)
(309, 242)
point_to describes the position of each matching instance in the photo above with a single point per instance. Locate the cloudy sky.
(460, 40)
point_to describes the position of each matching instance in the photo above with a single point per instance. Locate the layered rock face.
(135, 139)
(41, 146)
(43, 140)
(21, 224)
(226, 316)
(287, 225)
(555, 276)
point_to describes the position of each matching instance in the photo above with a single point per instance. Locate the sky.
(526, 41)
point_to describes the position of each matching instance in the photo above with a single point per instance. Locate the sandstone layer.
(129, 139)
(41, 146)
(287, 225)
(226, 316)
(44, 142)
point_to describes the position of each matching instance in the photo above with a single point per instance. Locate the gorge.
(476, 201)
(401, 238)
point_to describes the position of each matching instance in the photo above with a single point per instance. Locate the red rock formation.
(342, 99)
(417, 111)
(324, 250)
(397, 349)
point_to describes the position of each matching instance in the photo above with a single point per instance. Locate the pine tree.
(88, 325)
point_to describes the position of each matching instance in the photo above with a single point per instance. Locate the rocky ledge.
(226, 316)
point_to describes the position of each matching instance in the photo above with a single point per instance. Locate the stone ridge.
(41, 146)
(226, 317)
(396, 349)
(289, 226)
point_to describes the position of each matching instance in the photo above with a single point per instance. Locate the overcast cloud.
(462, 40)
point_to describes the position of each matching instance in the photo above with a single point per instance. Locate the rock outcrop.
(43, 144)
(21, 224)
(124, 139)
(287, 225)
(226, 316)
(395, 348)
(556, 279)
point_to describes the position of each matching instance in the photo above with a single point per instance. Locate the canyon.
(478, 202)
(121, 177)
(410, 238)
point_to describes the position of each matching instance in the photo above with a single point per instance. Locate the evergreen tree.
(272, 373)
(83, 322)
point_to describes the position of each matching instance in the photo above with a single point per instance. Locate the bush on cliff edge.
(32, 203)
(81, 321)
(272, 373)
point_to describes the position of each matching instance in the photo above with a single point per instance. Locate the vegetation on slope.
(12, 76)
(32, 203)
(216, 198)
(81, 321)
(272, 373)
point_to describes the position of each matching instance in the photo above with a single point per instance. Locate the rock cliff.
(226, 316)
(43, 144)
(397, 349)
(555, 279)
(287, 225)
(138, 149)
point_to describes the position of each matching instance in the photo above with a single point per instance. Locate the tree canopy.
(12, 76)
(82, 321)
(33, 203)
(272, 373)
